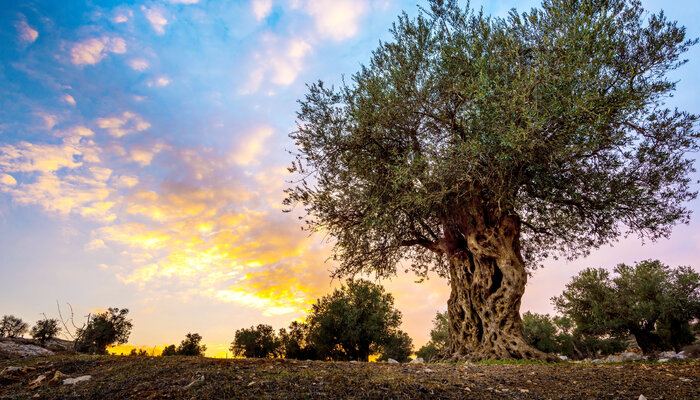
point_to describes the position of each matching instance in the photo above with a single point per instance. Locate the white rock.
(392, 361)
(564, 358)
(417, 361)
(663, 359)
(71, 381)
(22, 350)
(630, 356)
(641, 397)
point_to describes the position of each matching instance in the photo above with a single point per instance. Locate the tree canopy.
(12, 327)
(45, 329)
(104, 329)
(353, 322)
(256, 342)
(556, 115)
(650, 300)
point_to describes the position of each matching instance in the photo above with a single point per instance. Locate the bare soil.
(119, 377)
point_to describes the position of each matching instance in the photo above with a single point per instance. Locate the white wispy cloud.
(280, 62)
(92, 51)
(138, 64)
(336, 19)
(261, 8)
(156, 17)
(27, 34)
(66, 98)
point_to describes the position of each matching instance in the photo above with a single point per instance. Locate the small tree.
(399, 347)
(45, 329)
(191, 345)
(12, 327)
(170, 350)
(640, 300)
(256, 342)
(104, 329)
(294, 342)
(439, 339)
(353, 322)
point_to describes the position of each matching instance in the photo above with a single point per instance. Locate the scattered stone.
(641, 397)
(428, 370)
(195, 382)
(564, 358)
(661, 360)
(71, 381)
(524, 391)
(417, 361)
(630, 356)
(57, 377)
(672, 355)
(251, 383)
(36, 382)
(392, 361)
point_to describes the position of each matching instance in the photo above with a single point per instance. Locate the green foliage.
(104, 329)
(12, 327)
(439, 338)
(169, 350)
(191, 346)
(540, 332)
(560, 335)
(650, 300)
(295, 344)
(399, 347)
(353, 322)
(45, 329)
(555, 116)
(256, 342)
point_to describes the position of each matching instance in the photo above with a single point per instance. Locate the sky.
(143, 154)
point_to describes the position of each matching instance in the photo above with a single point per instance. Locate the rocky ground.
(118, 377)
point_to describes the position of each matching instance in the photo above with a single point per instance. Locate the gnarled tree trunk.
(487, 278)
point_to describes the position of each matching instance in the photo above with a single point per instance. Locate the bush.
(439, 338)
(256, 342)
(191, 346)
(104, 329)
(540, 332)
(169, 350)
(12, 327)
(295, 343)
(45, 329)
(399, 347)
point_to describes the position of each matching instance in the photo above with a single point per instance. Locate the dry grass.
(115, 377)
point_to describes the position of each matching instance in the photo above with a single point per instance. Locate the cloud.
(281, 62)
(122, 125)
(156, 17)
(143, 155)
(50, 120)
(261, 8)
(27, 34)
(7, 180)
(183, 1)
(95, 244)
(61, 178)
(252, 146)
(138, 64)
(92, 51)
(161, 81)
(336, 19)
(68, 99)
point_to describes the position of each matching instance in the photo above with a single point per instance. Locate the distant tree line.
(355, 321)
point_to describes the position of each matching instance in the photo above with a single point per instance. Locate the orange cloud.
(27, 34)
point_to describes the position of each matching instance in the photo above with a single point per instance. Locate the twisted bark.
(487, 278)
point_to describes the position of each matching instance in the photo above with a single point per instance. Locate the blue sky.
(143, 153)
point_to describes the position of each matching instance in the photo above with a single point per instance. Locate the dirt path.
(114, 377)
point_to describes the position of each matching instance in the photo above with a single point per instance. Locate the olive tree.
(477, 146)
